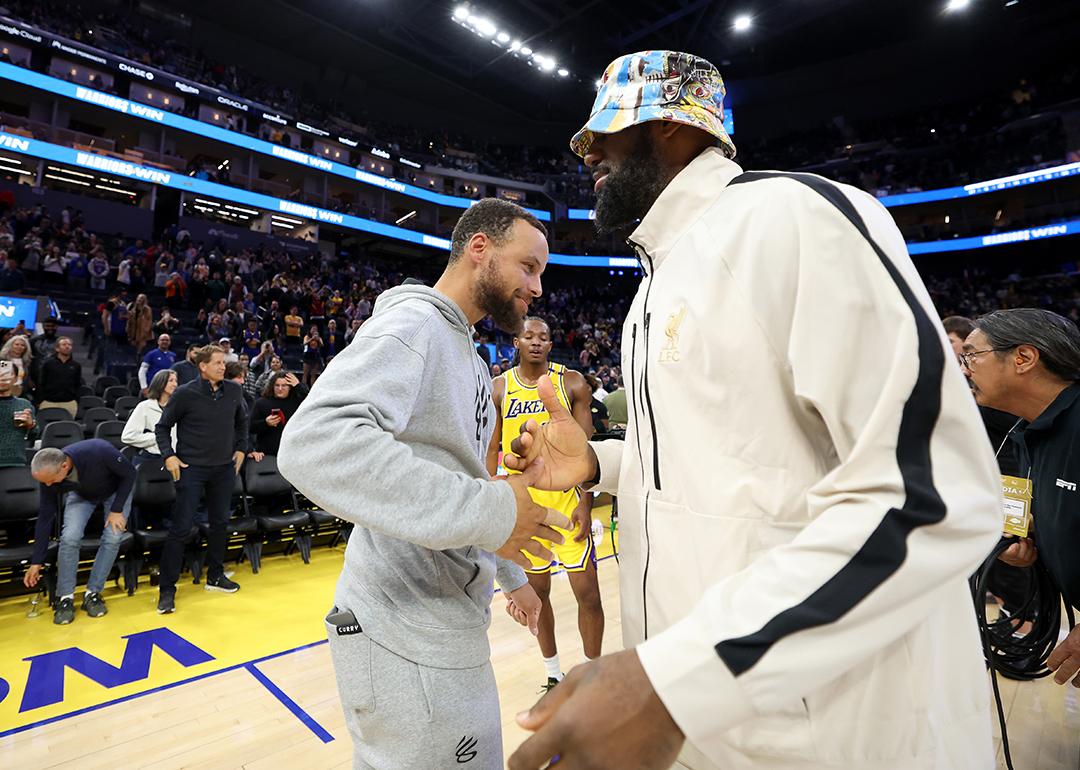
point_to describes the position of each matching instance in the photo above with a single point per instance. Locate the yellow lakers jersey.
(522, 403)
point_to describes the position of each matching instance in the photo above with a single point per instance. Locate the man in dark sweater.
(186, 371)
(211, 430)
(61, 377)
(17, 425)
(89, 473)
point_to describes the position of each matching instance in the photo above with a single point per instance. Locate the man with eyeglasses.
(1027, 362)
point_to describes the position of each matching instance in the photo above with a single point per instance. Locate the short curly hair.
(492, 217)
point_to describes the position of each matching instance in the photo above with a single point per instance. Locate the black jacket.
(60, 380)
(211, 425)
(267, 439)
(1049, 453)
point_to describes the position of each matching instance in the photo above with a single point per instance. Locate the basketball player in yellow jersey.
(516, 401)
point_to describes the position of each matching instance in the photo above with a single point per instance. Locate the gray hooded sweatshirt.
(393, 437)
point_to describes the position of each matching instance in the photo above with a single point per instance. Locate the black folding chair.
(111, 431)
(103, 383)
(95, 417)
(265, 485)
(88, 402)
(114, 392)
(60, 434)
(19, 492)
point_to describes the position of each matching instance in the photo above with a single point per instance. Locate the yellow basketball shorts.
(573, 555)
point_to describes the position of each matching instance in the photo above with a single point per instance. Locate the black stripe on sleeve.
(886, 547)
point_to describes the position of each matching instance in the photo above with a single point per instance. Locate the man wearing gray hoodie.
(393, 437)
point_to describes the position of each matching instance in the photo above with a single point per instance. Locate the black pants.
(216, 483)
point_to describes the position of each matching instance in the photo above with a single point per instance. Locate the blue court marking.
(290, 704)
(189, 680)
(162, 688)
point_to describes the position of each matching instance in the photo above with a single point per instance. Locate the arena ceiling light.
(957, 5)
(484, 26)
(743, 22)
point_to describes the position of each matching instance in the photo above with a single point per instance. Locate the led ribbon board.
(235, 138)
(109, 165)
(945, 193)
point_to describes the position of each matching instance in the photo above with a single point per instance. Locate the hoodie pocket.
(351, 655)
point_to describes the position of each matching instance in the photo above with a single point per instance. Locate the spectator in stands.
(99, 272)
(252, 342)
(139, 428)
(18, 426)
(140, 324)
(218, 327)
(957, 329)
(54, 265)
(226, 346)
(16, 351)
(161, 275)
(211, 422)
(334, 341)
(294, 327)
(237, 372)
(313, 356)
(42, 345)
(12, 281)
(250, 379)
(156, 360)
(78, 270)
(354, 327)
(496, 370)
(597, 387)
(175, 290)
(616, 406)
(261, 363)
(61, 378)
(277, 364)
(278, 403)
(168, 323)
(115, 319)
(596, 405)
(186, 370)
(102, 476)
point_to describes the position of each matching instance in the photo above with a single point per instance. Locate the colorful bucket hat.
(657, 85)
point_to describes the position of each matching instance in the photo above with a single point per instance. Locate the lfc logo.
(670, 351)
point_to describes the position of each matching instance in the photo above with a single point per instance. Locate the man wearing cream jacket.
(804, 485)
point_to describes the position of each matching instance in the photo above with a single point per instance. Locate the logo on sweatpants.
(466, 750)
(1069, 485)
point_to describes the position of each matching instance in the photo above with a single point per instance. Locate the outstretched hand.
(560, 443)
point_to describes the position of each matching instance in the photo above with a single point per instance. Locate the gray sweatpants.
(404, 716)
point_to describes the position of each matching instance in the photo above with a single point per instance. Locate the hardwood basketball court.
(245, 681)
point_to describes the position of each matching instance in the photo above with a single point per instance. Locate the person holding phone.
(279, 401)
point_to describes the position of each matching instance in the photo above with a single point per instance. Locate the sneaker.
(166, 604)
(551, 682)
(65, 612)
(223, 584)
(94, 605)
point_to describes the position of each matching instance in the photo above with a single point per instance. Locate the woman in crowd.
(276, 365)
(313, 356)
(260, 364)
(139, 429)
(17, 351)
(280, 399)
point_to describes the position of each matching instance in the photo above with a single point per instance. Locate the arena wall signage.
(53, 152)
(945, 193)
(235, 138)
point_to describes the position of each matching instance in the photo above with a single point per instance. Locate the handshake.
(554, 456)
